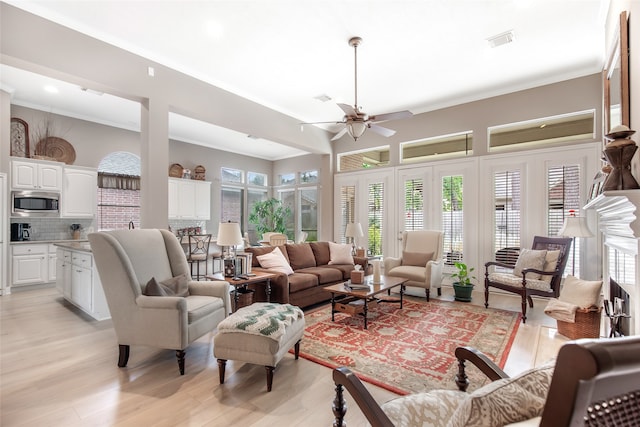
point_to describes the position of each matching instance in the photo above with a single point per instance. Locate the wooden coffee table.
(358, 301)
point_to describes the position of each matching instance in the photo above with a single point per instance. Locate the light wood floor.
(58, 368)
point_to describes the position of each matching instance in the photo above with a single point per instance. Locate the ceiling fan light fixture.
(356, 129)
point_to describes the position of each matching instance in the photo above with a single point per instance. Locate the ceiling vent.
(501, 39)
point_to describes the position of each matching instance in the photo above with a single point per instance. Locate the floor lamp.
(574, 227)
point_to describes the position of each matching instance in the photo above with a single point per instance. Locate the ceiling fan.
(357, 122)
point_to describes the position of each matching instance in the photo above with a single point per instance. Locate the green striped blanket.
(262, 318)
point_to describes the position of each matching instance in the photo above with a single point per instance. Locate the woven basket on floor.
(245, 297)
(587, 324)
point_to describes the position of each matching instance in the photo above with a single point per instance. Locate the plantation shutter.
(506, 194)
(347, 209)
(376, 220)
(452, 218)
(563, 196)
(414, 204)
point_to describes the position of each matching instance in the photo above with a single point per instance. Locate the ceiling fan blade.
(348, 110)
(391, 116)
(322, 123)
(339, 134)
(382, 131)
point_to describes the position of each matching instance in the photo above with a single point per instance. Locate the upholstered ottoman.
(261, 334)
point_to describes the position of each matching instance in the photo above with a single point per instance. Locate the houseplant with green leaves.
(462, 281)
(269, 216)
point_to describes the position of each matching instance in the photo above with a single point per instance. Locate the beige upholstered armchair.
(594, 382)
(421, 261)
(134, 263)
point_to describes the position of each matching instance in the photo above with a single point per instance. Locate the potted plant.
(462, 281)
(269, 215)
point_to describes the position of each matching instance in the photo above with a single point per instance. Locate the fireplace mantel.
(620, 227)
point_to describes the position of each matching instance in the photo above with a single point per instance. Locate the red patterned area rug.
(411, 349)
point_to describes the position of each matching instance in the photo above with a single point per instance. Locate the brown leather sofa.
(312, 272)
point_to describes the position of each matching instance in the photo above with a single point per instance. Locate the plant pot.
(462, 292)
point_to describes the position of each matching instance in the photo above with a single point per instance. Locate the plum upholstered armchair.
(421, 261)
(127, 260)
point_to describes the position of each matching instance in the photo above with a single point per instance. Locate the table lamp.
(353, 230)
(229, 235)
(574, 226)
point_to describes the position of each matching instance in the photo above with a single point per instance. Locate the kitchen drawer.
(29, 249)
(81, 260)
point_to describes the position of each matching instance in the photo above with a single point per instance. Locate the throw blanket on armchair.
(262, 318)
(560, 310)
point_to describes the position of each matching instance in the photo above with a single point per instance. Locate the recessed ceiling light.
(253, 137)
(51, 89)
(95, 92)
(322, 98)
(501, 39)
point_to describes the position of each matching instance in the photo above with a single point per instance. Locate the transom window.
(449, 145)
(366, 159)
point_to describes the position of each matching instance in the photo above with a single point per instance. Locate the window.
(118, 191)
(232, 176)
(232, 205)
(375, 204)
(288, 198)
(563, 196)
(309, 212)
(257, 179)
(358, 160)
(347, 208)
(253, 196)
(568, 127)
(452, 218)
(287, 179)
(455, 144)
(308, 177)
(414, 204)
(506, 197)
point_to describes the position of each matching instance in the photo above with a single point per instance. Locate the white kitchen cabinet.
(79, 193)
(79, 282)
(36, 175)
(29, 264)
(51, 269)
(189, 199)
(63, 272)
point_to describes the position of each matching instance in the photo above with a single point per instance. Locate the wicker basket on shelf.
(587, 324)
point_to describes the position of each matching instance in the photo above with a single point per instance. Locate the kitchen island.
(78, 280)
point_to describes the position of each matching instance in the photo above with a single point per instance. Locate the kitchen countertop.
(74, 245)
(31, 242)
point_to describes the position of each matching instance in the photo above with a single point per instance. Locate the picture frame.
(19, 138)
(616, 78)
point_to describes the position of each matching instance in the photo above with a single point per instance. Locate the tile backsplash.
(56, 228)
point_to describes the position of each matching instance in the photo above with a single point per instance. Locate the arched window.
(118, 191)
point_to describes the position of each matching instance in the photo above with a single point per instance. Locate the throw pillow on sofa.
(340, 253)
(276, 261)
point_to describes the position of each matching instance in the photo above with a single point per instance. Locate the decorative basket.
(175, 170)
(199, 172)
(587, 324)
(245, 297)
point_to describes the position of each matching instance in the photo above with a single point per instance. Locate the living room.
(477, 117)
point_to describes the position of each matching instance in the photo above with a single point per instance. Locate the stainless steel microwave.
(35, 203)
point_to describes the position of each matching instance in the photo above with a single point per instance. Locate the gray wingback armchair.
(126, 261)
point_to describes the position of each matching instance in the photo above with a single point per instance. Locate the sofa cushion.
(325, 274)
(550, 262)
(275, 260)
(300, 256)
(345, 269)
(516, 281)
(256, 251)
(302, 281)
(583, 293)
(417, 259)
(432, 409)
(321, 252)
(530, 258)
(340, 253)
(175, 287)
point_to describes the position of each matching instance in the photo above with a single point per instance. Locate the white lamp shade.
(353, 230)
(356, 129)
(229, 234)
(575, 226)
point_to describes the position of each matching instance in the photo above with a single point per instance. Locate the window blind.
(452, 218)
(506, 196)
(376, 217)
(347, 209)
(414, 204)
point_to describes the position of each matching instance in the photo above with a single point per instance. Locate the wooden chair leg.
(486, 296)
(222, 363)
(524, 308)
(123, 356)
(296, 350)
(339, 407)
(269, 370)
(426, 291)
(439, 292)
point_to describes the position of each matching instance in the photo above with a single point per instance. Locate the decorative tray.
(56, 148)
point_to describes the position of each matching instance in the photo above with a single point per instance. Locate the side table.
(238, 283)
